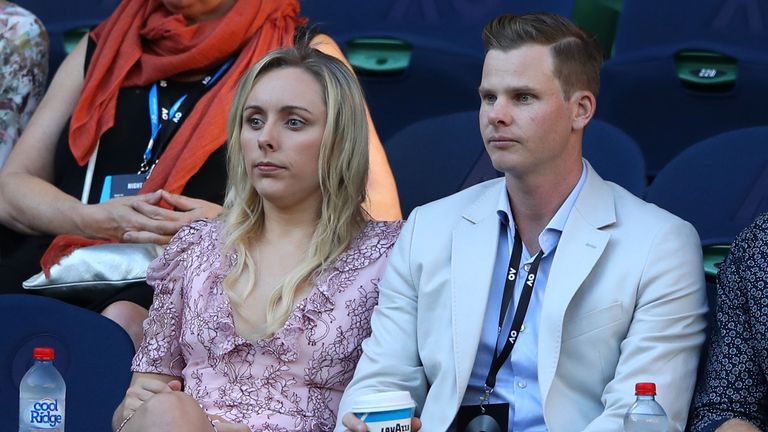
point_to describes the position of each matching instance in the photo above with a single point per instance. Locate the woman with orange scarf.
(189, 54)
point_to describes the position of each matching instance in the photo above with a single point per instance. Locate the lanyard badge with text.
(487, 417)
(163, 122)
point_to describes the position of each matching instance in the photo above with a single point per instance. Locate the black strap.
(522, 308)
(171, 125)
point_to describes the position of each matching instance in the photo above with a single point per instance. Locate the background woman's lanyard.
(517, 321)
(172, 121)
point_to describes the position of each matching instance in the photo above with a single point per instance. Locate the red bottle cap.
(645, 389)
(43, 353)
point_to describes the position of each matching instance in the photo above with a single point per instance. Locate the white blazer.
(624, 303)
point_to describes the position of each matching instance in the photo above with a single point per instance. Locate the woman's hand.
(224, 426)
(111, 219)
(141, 219)
(168, 222)
(142, 388)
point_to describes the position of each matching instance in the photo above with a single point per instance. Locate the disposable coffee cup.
(385, 412)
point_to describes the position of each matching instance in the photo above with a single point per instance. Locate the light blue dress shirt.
(517, 382)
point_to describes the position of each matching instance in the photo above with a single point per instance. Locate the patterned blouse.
(736, 381)
(23, 72)
(292, 381)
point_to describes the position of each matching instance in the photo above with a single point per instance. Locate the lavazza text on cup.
(385, 412)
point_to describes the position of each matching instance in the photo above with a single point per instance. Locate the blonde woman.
(258, 316)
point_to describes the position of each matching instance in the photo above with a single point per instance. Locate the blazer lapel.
(581, 245)
(473, 254)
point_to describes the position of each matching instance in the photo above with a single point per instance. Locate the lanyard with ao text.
(517, 321)
(172, 118)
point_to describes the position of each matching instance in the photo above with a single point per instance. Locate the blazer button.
(522, 384)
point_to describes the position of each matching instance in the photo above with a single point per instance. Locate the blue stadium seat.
(615, 156)
(65, 20)
(686, 70)
(93, 355)
(458, 22)
(647, 24)
(436, 157)
(719, 185)
(416, 58)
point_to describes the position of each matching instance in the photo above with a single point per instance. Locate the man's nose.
(500, 114)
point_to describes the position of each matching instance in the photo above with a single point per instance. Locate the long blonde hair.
(343, 174)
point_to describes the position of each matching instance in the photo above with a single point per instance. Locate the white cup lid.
(383, 401)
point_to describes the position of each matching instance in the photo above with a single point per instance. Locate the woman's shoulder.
(750, 248)
(198, 234)
(746, 261)
(758, 230)
(194, 244)
(17, 22)
(754, 237)
(387, 229)
(379, 235)
(373, 243)
(197, 228)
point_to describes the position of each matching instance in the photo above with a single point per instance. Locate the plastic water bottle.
(41, 396)
(646, 415)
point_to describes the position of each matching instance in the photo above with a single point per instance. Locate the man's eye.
(525, 98)
(489, 99)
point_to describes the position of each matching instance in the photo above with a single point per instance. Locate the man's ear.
(584, 105)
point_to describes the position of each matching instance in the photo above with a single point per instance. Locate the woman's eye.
(294, 123)
(255, 123)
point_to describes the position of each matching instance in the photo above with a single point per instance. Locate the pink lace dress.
(292, 381)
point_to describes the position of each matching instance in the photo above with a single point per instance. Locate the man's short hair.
(576, 56)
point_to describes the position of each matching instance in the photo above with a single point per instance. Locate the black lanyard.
(165, 121)
(517, 321)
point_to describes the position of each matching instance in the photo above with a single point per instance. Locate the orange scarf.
(141, 43)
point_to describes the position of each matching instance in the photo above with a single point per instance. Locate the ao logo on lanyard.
(163, 122)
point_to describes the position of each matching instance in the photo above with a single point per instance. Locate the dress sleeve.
(393, 323)
(23, 73)
(734, 385)
(160, 350)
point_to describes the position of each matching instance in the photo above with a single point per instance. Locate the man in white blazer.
(618, 293)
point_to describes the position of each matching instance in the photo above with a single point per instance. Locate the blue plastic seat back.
(686, 70)
(437, 81)
(62, 17)
(93, 354)
(719, 185)
(433, 158)
(435, 63)
(643, 95)
(455, 22)
(615, 156)
(643, 24)
(439, 156)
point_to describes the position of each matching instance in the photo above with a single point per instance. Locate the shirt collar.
(550, 236)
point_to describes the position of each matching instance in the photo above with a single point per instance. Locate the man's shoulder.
(644, 218)
(459, 202)
(630, 206)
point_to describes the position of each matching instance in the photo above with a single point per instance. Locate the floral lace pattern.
(23, 72)
(289, 382)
